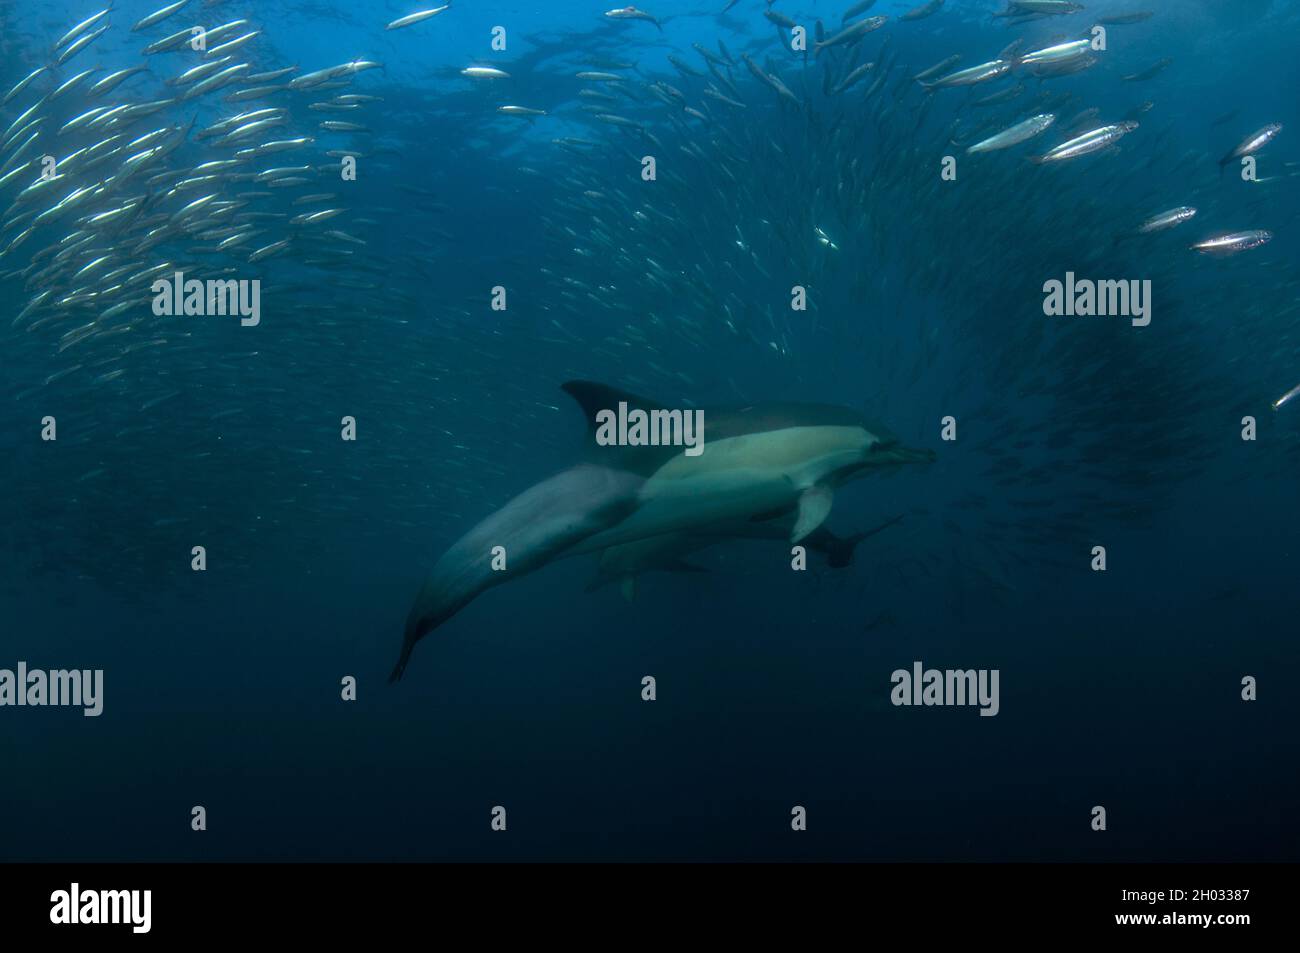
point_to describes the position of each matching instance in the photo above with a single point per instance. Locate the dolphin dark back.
(719, 422)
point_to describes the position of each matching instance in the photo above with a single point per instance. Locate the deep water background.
(222, 688)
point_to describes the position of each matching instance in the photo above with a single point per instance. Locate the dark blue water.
(222, 688)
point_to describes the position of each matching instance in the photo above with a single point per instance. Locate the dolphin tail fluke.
(839, 550)
(850, 544)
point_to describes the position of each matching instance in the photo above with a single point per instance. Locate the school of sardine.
(678, 198)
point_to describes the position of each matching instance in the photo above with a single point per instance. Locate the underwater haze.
(433, 225)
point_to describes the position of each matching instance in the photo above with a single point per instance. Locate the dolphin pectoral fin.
(628, 588)
(814, 507)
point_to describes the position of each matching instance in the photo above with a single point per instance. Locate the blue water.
(1119, 688)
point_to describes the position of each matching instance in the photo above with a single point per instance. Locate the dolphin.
(759, 462)
(531, 529)
(665, 553)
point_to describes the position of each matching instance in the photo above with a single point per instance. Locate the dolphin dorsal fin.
(593, 398)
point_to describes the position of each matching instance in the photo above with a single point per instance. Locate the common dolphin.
(758, 462)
